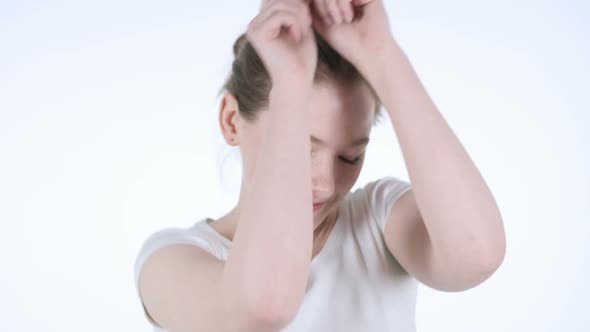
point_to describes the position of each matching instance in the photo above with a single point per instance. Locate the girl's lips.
(317, 206)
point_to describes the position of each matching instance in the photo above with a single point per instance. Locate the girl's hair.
(250, 83)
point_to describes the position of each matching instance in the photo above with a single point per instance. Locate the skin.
(447, 231)
(340, 114)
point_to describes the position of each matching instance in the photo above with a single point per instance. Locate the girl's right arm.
(268, 264)
(262, 283)
(269, 260)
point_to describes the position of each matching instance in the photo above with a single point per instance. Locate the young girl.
(300, 251)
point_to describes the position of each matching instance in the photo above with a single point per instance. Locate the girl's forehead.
(339, 128)
(342, 108)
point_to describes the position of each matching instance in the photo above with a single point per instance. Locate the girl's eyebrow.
(356, 142)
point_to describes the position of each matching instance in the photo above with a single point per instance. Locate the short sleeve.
(157, 240)
(381, 194)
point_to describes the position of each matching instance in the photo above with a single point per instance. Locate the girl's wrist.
(292, 87)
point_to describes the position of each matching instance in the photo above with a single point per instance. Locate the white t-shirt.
(355, 284)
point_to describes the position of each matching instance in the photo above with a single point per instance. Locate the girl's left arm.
(447, 230)
(454, 213)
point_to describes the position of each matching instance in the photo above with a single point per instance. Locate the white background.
(108, 133)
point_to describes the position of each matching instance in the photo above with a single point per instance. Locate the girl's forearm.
(457, 207)
(271, 250)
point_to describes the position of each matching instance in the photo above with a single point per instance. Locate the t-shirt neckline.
(333, 237)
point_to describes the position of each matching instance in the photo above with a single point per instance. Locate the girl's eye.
(351, 162)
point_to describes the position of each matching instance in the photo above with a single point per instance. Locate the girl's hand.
(357, 29)
(283, 38)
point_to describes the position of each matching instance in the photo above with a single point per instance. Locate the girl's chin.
(319, 216)
(317, 219)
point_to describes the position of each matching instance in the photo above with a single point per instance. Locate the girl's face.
(341, 122)
(342, 118)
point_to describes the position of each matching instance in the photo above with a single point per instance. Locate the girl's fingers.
(346, 10)
(334, 11)
(271, 8)
(265, 3)
(274, 24)
(318, 21)
(274, 19)
(322, 10)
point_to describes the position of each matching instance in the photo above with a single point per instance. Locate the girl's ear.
(229, 119)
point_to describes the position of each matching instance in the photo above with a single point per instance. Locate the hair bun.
(239, 43)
